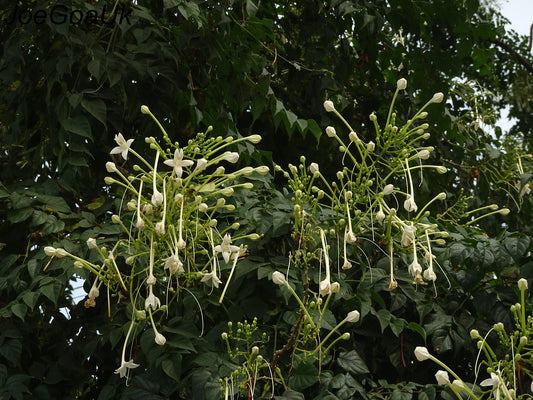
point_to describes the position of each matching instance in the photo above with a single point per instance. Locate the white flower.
(430, 275)
(160, 339)
(380, 215)
(201, 164)
(353, 316)
(346, 265)
(331, 132)
(328, 106)
(278, 278)
(423, 154)
(401, 84)
(110, 166)
(421, 353)
(160, 227)
(522, 284)
(313, 168)
(157, 197)
(415, 269)
(437, 97)
(123, 146)
(442, 377)
(226, 248)
(174, 264)
(493, 381)
(388, 189)
(325, 286)
(91, 243)
(94, 292)
(124, 366)
(408, 235)
(151, 280)
(231, 156)
(350, 237)
(409, 204)
(211, 276)
(178, 163)
(152, 301)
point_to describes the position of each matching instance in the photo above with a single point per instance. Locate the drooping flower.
(123, 146)
(124, 366)
(325, 284)
(178, 163)
(160, 339)
(415, 269)
(226, 248)
(408, 235)
(409, 204)
(212, 276)
(152, 301)
(174, 264)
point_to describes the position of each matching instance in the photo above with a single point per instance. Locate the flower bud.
(145, 109)
(423, 154)
(109, 181)
(91, 243)
(201, 164)
(262, 170)
(421, 353)
(522, 284)
(371, 146)
(388, 189)
(505, 211)
(335, 287)
(78, 264)
(202, 207)
(231, 157)
(380, 216)
(115, 219)
(160, 339)
(353, 137)
(328, 106)
(401, 84)
(441, 169)
(437, 97)
(278, 278)
(224, 336)
(353, 316)
(474, 334)
(345, 336)
(254, 138)
(442, 377)
(330, 131)
(313, 168)
(110, 166)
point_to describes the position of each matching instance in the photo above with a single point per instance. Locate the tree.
(246, 67)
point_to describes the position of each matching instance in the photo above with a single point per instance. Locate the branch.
(527, 65)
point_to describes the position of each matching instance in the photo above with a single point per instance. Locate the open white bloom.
(353, 316)
(124, 366)
(328, 106)
(422, 353)
(442, 377)
(493, 381)
(226, 248)
(278, 278)
(152, 301)
(409, 204)
(123, 146)
(174, 264)
(178, 163)
(408, 235)
(213, 277)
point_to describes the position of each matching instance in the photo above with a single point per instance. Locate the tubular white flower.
(123, 146)
(328, 106)
(211, 276)
(140, 222)
(325, 284)
(278, 278)
(124, 366)
(152, 301)
(174, 264)
(408, 235)
(415, 269)
(409, 204)
(422, 353)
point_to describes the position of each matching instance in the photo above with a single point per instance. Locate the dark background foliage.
(251, 67)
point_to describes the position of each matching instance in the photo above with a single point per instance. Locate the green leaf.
(19, 310)
(11, 350)
(351, 361)
(96, 108)
(30, 298)
(16, 386)
(290, 395)
(172, 367)
(304, 375)
(251, 8)
(417, 328)
(20, 215)
(78, 125)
